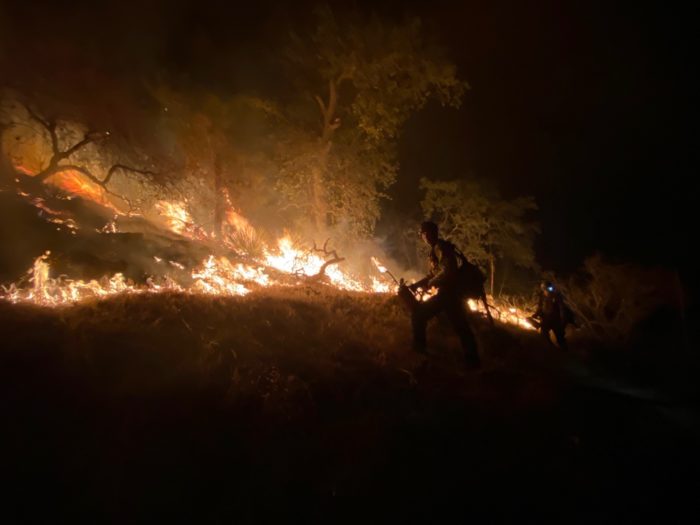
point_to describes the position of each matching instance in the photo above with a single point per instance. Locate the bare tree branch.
(93, 178)
(335, 260)
(36, 116)
(347, 74)
(50, 126)
(58, 155)
(89, 137)
(123, 167)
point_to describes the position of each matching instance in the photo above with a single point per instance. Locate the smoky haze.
(582, 107)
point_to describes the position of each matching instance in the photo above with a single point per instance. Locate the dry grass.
(288, 403)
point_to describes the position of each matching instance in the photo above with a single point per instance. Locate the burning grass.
(237, 259)
(219, 276)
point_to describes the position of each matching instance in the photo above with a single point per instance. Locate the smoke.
(97, 65)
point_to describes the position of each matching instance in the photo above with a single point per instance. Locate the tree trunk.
(503, 281)
(492, 268)
(318, 190)
(51, 169)
(319, 200)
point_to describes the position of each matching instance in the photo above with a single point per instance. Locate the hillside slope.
(306, 404)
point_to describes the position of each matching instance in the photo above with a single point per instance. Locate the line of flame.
(215, 275)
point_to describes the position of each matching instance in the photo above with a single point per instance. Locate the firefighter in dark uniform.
(552, 314)
(443, 275)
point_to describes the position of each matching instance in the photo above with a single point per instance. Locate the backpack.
(470, 277)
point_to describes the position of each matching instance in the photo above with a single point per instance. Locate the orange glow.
(214, 275)
(75, 183)
(178, 219)
(25, 171)
(48, 291)
(237, 221)
(380, 267)
(290, 259)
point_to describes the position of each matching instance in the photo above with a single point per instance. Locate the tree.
(487, 228)
(358, 79)
(213, 140)
(611, 299)
(61, 150)
(196, 131)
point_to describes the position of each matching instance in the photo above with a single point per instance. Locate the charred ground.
(305, 404)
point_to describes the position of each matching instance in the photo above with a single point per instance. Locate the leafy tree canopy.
(486, 227)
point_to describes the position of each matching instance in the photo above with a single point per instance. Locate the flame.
(219, 276)
(214, 275)
(240, 225)
(51, 215)
(74, 183)
(48, 291)
(238, 233)
(502, 312)
(380, 287)
(233, 218)
(177, 218)
(110, 227)
(24, 170)
(290, 259)
(517, 317)
(380, 267)
(238, 222)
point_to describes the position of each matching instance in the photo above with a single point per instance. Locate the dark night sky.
(586, 106)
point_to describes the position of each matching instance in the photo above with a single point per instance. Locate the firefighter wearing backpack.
(552, 313)
(443, 275)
